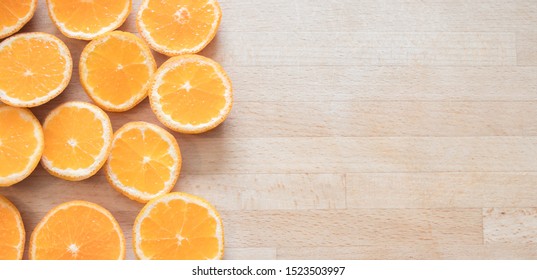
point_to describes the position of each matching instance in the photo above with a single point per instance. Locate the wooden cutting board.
(361, 130)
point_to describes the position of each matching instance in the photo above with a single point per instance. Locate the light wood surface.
(361, 130)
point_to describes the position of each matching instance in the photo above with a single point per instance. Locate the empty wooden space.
(361, 130)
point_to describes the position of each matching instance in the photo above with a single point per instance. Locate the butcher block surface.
(360, 130)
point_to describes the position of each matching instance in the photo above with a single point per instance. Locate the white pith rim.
(190, 199)
(100, 158)
(147, 35)
(64, 53)
(149, 62)
(26, 115)
(155, 97)
(84, 35)
(5, 203)
(21, 22)
(66, 206)
(173, 151)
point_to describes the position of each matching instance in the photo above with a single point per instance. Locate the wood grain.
(361, 130)
(510, 225)
(384, 83)
(527, 48)
(336, 228)
(413, 252)
(358, 48)
(364, 119)
(441, 190)
(359, 154)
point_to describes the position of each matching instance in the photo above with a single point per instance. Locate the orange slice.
(115, 70)
(191, 94)
(12, 234)
(34, 68)
(78, 137)
(177, 27)
(87, 19)
(178, 226)
(21, 144)
(77, 230)
(14, 14)
(144, 162)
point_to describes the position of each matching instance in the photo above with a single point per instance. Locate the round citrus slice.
(77, 230)
(14, 14)
(144, 162)
(12, 234)
(34, 68)
(78, 137)
(191, 94)
(178, 226)
(177, 27)
(21, 144)
(115, 82)
(87, 19)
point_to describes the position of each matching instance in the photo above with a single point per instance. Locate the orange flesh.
(189, 221)
(127, 162)
(31, 68)
(13, 10)
(17, 141)
(73, 125)
(9, 231)
(117, 70)
(87, 16)
(201, 103)
(91, 231)
(179, 24)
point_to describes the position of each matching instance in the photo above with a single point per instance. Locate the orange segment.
(178, 26)
(87, 19)
(178, 226)
(14, 14)
(12, 234)
(34, 68)
(77, 230)
(115, 70)
(21, 144)
(191, 94)
(144, 162)
(78, 136)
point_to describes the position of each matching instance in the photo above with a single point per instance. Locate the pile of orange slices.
(189, 93)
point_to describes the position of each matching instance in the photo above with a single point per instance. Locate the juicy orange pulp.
(118, 70)
(14, 14)
(145, 160)
(192, 93)
(179, 26)
(77, 230)
(12, 233)
(178, 226)
(17, 140)
(34, 68)
(21, 144)
(73, 138)
(85, 19)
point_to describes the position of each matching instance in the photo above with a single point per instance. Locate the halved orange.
(191, 94)
(115, 70)
(87, 19)
(144, 162)
(14, 14)
(12, 234)
(21, 144)
(34, 68)
(77, 230)
(177, 27)
(178, 226)
(78, 137)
